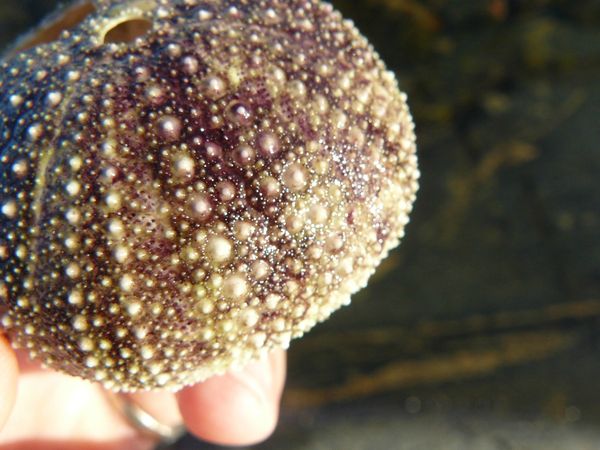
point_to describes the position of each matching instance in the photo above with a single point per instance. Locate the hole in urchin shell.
(127, 31)
(51, 29)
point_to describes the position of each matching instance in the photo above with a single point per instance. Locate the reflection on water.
(481, 330)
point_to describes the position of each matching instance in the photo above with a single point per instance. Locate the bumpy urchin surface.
(176, 205)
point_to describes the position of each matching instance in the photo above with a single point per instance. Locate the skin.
(50, 410)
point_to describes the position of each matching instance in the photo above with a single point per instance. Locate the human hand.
(53, 411)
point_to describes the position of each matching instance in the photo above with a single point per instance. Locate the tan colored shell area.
(176, 205)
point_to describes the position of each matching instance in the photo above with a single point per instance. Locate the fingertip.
(239, 408)
(8, 379)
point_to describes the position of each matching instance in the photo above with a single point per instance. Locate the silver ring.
(144, 422)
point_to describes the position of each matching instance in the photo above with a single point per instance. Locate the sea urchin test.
(188, 184)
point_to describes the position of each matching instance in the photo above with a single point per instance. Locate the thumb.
(239, 408)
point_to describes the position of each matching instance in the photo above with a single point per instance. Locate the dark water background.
(482, 330)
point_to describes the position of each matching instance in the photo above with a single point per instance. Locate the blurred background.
(482, 331)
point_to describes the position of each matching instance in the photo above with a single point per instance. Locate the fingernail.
(257, 379)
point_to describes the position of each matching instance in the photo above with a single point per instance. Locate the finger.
(240, 408)
(8, 380)
(161, 405)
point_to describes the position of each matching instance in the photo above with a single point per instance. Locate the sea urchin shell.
(177, 202)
